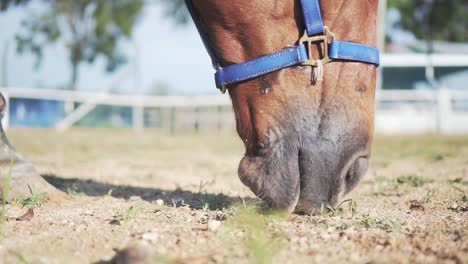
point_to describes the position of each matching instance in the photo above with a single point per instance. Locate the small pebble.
(135, 198)
(160, 202)
(149, 236)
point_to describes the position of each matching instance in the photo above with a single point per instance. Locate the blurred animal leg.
(23, 177)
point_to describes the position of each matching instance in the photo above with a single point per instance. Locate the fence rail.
(397, 111)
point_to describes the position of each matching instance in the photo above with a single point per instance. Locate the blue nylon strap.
(344, 50)
(312, 17)
(339, 50)
(260, 66)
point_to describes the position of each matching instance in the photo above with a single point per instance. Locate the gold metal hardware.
(326, 39)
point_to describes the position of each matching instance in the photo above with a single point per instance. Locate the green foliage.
(88, 28)
(261, 244)
(341, 210)
(34, 201)
(437, 19)
(19, 256)
(413, 180)
(127, 215)
(73, 190)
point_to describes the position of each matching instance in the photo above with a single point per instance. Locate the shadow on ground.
(177, 197)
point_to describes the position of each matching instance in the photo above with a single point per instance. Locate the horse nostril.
(356, 172)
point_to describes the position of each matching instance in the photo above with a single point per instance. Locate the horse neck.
(242, 30)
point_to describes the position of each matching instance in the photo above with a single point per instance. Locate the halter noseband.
(301, 54)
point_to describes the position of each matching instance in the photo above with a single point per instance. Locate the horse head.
(307, 139)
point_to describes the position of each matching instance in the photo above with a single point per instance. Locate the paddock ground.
(411, 207)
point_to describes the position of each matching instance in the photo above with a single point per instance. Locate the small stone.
(151, 236)
(213, 225)
(218, 258)
(325, 236)
(135, 198)
(160, 202)
(89, 213)
(454, 206)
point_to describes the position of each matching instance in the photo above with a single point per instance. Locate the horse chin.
(276, 183)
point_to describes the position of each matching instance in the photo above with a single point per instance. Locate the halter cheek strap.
(301, 54)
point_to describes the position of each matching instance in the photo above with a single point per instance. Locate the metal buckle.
(326, 38)
(223, 89)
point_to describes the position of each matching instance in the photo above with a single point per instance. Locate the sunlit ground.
(411, 207)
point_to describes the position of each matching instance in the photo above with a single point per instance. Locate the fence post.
(444, 109)
(69, 106)
(196, 124)
(138, 118)
(172, 120)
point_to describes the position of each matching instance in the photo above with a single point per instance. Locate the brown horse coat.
(307, 143)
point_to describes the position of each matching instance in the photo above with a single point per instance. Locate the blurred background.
(111, 64)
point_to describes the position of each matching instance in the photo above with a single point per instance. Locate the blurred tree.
(176, 10)
(434, 19)
(88, 28)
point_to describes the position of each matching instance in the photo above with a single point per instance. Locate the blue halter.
(315, 32)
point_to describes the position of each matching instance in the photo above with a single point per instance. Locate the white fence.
(417, 111)
(398, 111)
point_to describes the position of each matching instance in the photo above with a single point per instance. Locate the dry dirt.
(177, 199)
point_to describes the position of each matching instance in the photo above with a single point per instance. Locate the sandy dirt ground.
(177, 199)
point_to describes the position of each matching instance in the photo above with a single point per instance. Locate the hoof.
(17, 175)
(22, 180)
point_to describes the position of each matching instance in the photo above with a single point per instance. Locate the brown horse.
(307, 143)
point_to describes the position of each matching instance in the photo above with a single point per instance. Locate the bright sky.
(162, 52)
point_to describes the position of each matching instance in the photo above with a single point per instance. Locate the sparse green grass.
(429, 196)
(370, 223)
(346, 216)
(439, 156)
(462, 191)
(163, 260)
(413, 180)
(432, 148)
(459, 180)
(258, 241)
(213, 202)
(35, 200)
(74, 191)
(6, 192)
(430, 157)
(19, 256)
(210, 201)
(341, 209)
(390, 186)
(127, 215)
